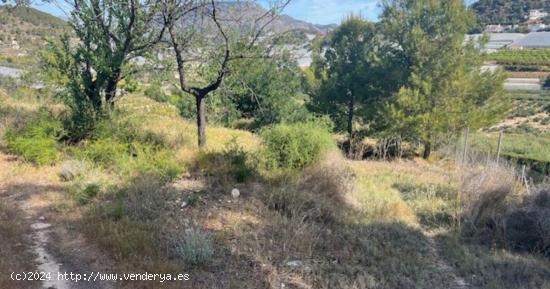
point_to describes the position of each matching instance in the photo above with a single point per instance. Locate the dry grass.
(337, 224)
(164, 120)
(488, 191)
(378, 191)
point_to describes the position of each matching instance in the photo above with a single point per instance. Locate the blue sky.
(314, 11)
(331, 11)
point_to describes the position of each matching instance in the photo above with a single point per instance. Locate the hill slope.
(24, 29)
(250, 11)
(506, 11)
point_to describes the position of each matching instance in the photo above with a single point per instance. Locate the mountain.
(506, 11)
(250, 11)
(23, 29)
(286, 23)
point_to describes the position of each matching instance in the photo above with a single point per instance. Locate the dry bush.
(147, 197)
(497, 208)
(72, 169)
(487, 192)
(527, 227)
(320, 194)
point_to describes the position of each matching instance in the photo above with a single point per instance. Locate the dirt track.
(46, 242)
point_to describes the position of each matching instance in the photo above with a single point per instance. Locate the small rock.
(294, 263)
(235, 193)
(183, 204)
(40, 226)
(42, 218)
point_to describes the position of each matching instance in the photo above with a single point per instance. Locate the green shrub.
(40, 150)
(147, 160)
(85, 195)
(130, 86)
(104, 152)
(131, 159)
(155, 92)
(37, 140)
(195, 247)
(295, 146)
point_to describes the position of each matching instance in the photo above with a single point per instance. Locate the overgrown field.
(305, 217)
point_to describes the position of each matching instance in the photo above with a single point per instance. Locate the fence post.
(524, 178)
(499, 146)
(465, 146)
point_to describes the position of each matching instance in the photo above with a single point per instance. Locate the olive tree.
(212, 33)
(105, 36)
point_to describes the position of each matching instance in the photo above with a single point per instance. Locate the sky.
(331, 11)
(314, 11)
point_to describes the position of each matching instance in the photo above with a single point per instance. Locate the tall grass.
(36, 141)
(528, 146)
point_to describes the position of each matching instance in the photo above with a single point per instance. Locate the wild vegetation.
(349, 174)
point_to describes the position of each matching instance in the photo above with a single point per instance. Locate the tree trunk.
(110, 94)
(427, 150)
(351, 114)
(201, 120)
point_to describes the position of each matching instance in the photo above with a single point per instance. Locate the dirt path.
(50, 238)
(443, 266)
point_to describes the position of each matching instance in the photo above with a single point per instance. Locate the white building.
(537, 14)
(494, 28)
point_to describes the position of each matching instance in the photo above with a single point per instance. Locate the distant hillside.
(23, 29)
(281, 24)
(506, 11)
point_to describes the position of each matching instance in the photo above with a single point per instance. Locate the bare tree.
(200, 31)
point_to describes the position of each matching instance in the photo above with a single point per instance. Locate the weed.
(195, 247)
(146, 197)
(435, 205)
(148, 160)
(233, 161)
(104, 152)
(71, 169)
(88, 193)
